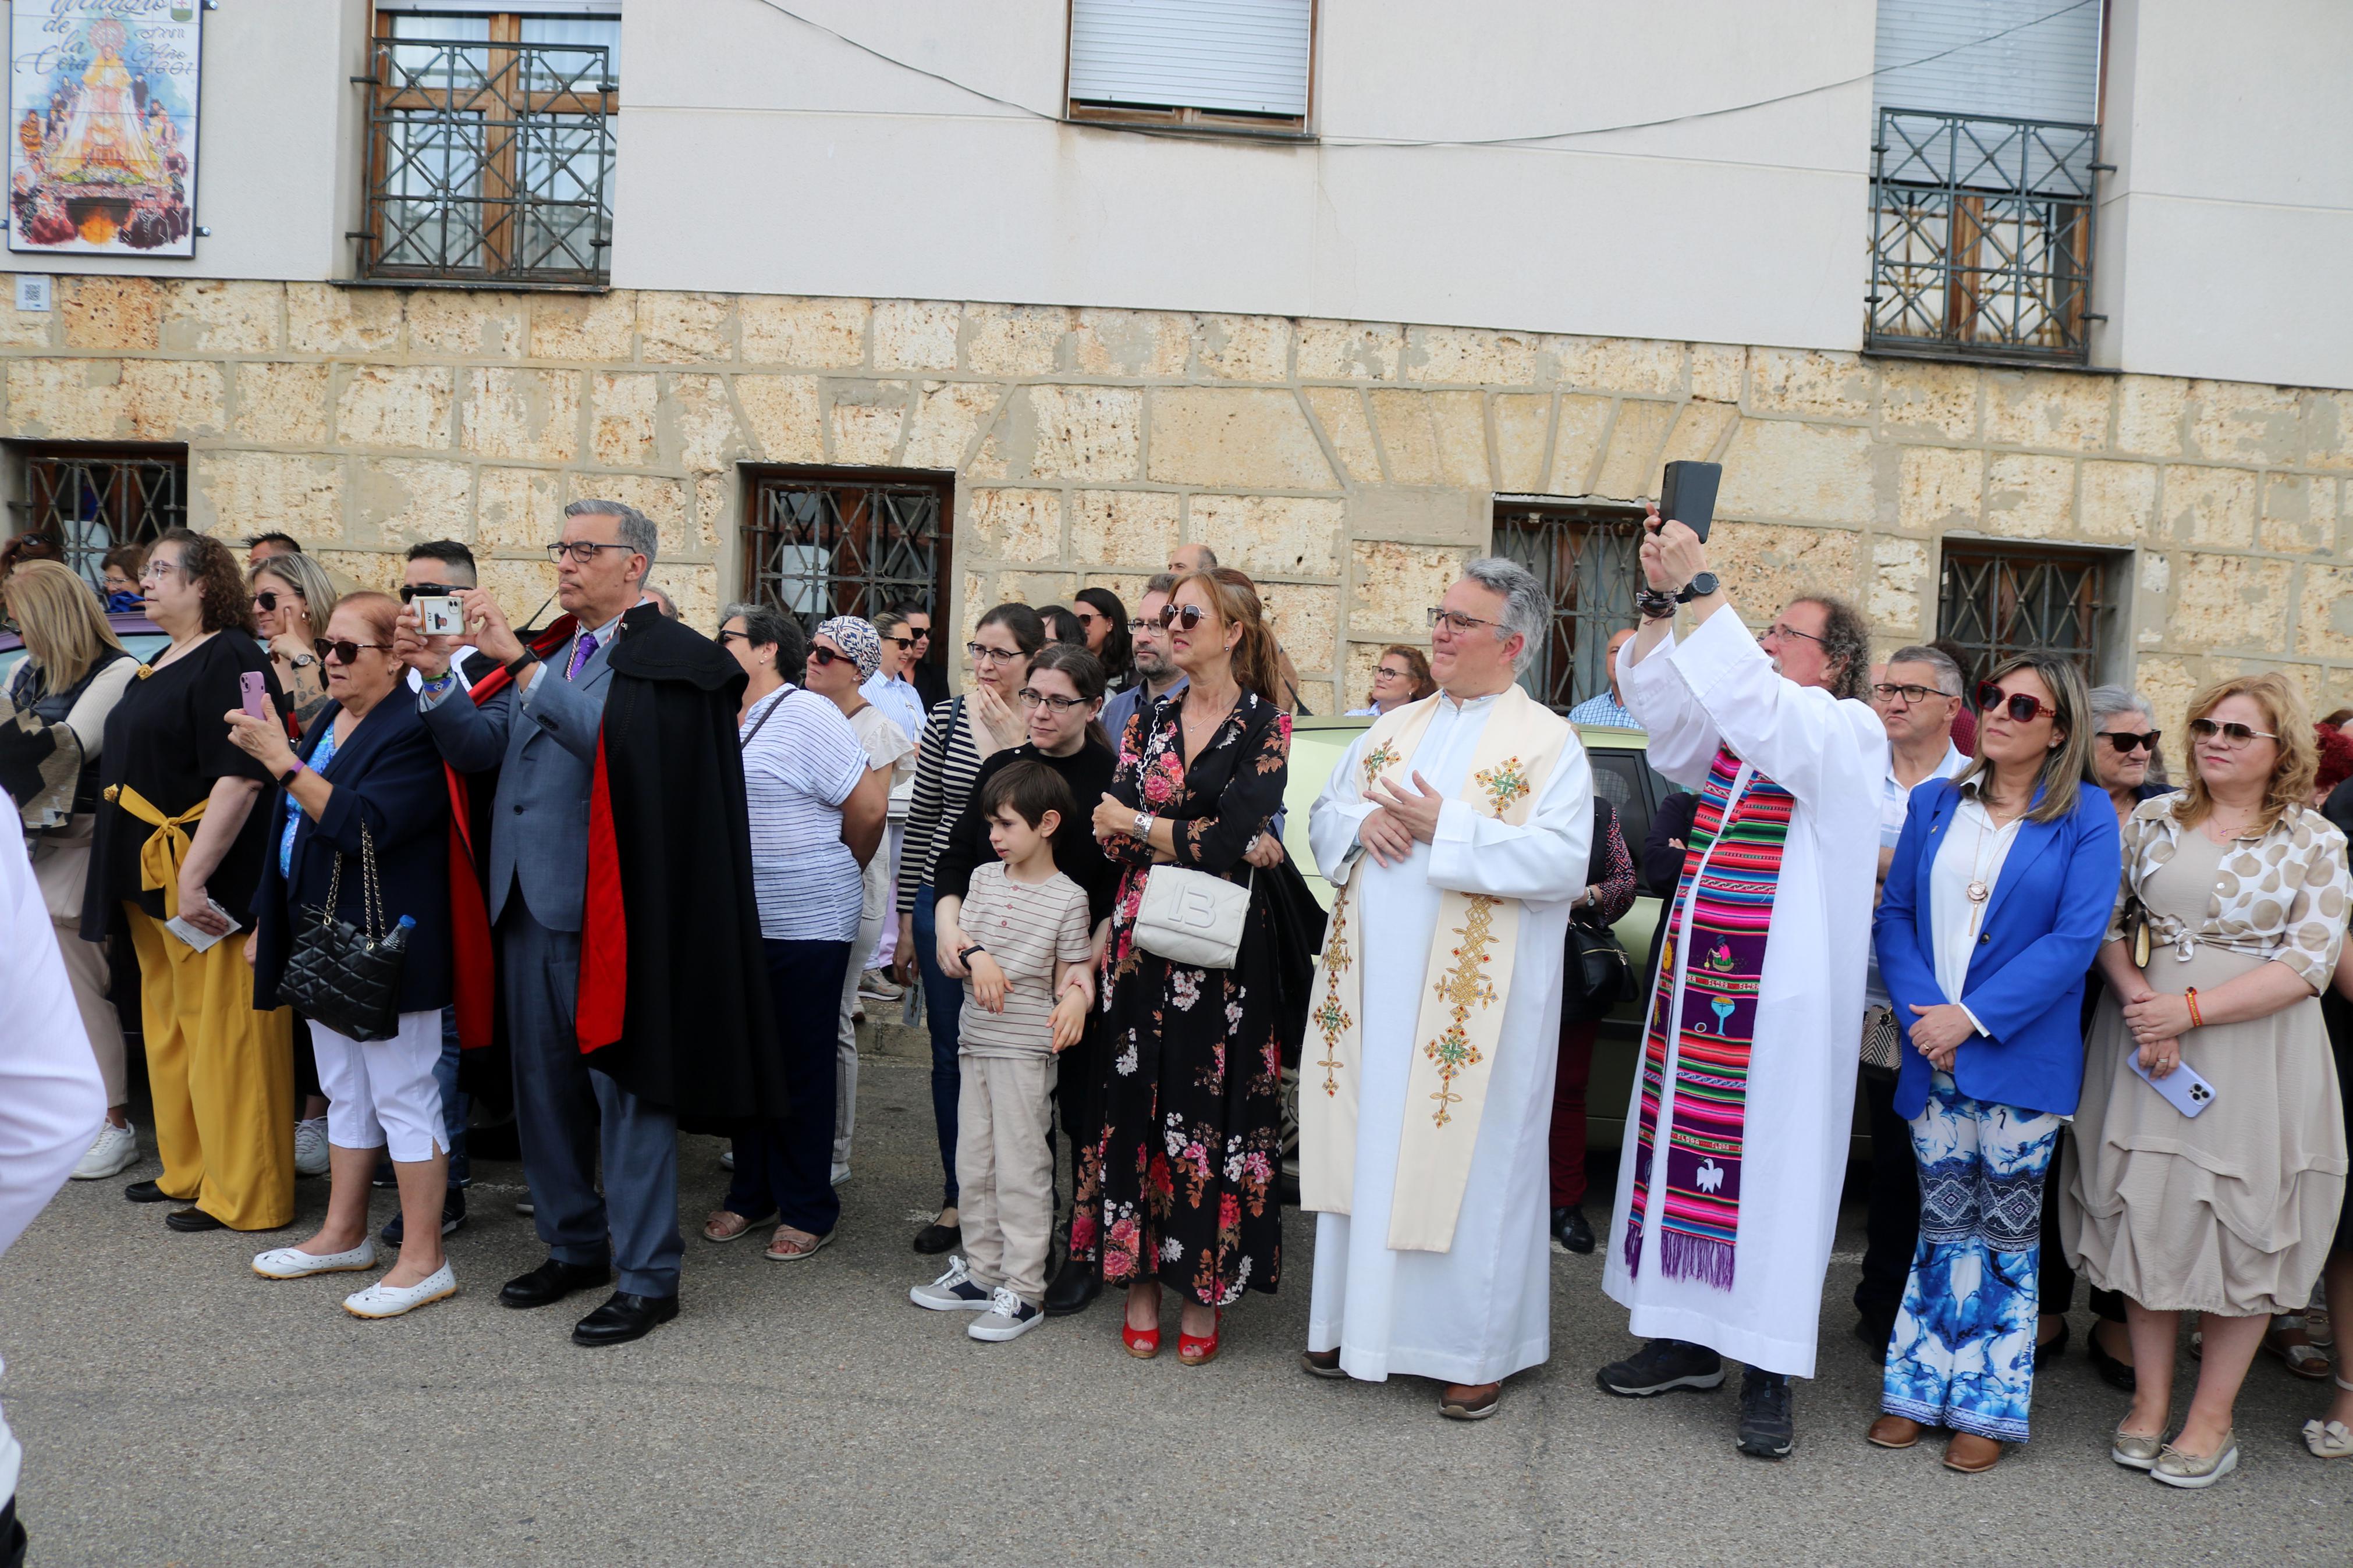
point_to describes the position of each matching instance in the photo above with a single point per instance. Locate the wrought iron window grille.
(91, 500)
(1997, 601)
(1981, 236)
(1588, 559)
(489, 163)
(825, 542)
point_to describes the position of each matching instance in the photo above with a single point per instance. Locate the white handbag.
(1192, 918)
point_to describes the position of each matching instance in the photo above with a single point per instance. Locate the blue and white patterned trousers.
(1962, 1356)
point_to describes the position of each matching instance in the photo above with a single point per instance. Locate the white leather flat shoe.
(293, 1263)
(380, 1300)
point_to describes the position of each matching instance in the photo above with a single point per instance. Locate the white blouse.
(1973, 851)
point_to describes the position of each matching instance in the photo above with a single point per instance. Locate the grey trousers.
(567, 1112)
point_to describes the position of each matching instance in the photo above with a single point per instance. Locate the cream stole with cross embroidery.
(1467, 980)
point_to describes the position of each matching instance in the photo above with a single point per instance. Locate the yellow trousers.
(222, 1076)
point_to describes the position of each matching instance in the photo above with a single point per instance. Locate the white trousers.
(381, 1093)
(845, 1061)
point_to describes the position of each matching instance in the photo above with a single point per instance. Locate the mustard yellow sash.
(1469, 976)
(160, 857)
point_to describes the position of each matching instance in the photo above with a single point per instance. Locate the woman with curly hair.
(179, 838)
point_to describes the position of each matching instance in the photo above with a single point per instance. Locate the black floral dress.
(1181, 1186)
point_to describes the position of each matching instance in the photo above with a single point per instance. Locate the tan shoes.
(1971, 1454)
(1895, 1432)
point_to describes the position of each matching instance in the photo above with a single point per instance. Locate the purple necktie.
(581, 650)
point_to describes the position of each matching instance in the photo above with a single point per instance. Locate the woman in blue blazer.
(1997, 900)
(367, 774)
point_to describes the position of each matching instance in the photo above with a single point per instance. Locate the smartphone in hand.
(253, 687)
(1687, 494)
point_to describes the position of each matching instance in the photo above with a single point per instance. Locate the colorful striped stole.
(1730, 872)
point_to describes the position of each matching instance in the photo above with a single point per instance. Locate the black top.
(167, 740)
(930, 683)
(1077, 856)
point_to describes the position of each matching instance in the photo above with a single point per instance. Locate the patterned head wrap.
(858, 640)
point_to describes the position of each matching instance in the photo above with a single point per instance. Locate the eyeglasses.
(2021, 707)
(1780, 633)
(429, 590)
(1185, 615)
(1910, 694)
(267, 600)
(1137, 623)
(155, 571)
(582, 551)
(2126, 741)
(824, 657)
(1386, 673)
(1086, 613)
(2231, 737)
(981, 653)
(724, 635)
(1032, 697)
(1455, 621)
(346, 651)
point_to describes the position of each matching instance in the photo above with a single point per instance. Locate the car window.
(1618, 779)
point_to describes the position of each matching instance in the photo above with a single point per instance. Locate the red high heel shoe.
(1193, 1351)
(1142, 1344)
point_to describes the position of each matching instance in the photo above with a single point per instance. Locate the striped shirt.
(946, 764)
(1027, 928)
(801, 761)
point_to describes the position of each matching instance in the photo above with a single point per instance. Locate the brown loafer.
(1474, 1404)
(1969, 1453)
(1895, 1432)
(1322, 1364)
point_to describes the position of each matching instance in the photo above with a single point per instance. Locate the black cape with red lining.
(674, 998)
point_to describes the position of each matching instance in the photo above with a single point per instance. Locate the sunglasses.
(409, 591)
(346, 651)
(1185, 615)
(2021, 707)
(823, 656)
(901, 643)
(2231, 736)
(2126, 741)
(267, 600)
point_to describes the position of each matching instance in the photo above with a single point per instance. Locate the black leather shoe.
(623, 1318)
(937, 1237)
(552, 1281)
(1570, 1230)
(2115, 1373)
(147, 1193)
(192, 1218)
(1074, 1289)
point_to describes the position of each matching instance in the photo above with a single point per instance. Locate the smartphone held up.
(1687, 495)
(440, 616)
(253, 693)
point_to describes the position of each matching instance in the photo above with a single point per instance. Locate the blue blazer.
(387, 774)
(2042, 928)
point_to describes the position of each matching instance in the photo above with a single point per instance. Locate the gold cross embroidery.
(1331, 1019)
(1381, 756)
(1505, 783)
(1465, 987)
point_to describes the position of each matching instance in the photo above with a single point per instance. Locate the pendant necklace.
(1979, 889)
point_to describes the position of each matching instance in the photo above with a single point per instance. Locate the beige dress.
(2232, 1210)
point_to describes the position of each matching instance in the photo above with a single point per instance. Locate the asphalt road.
(175, 1408)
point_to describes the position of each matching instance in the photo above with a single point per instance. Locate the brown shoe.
(1322, 1364)
(1469, 1401)
(1968, 1453)
(1895, 1432)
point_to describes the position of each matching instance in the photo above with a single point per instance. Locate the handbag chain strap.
(371, 893)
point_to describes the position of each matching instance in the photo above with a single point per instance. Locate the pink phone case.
(256, 691)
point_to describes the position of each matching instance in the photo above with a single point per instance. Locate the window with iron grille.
(91, 499)
(819, 542)
(1995, 600)
(1981, 236)
(1588, 560)
(489, 147)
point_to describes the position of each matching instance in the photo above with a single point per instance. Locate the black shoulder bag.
(340, 976)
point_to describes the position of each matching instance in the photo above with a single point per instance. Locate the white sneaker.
(840, 1174)
(380, 1300)
(879, 985)
(727, 1158)
(1009, 1318)
(293, 1263)
(953, 1291)
(114, 1151)
(310, 1147)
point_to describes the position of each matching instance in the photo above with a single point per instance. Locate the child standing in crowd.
(1027, 992)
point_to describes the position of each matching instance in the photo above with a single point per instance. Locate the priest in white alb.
(1736, 1132)
(1455, 831)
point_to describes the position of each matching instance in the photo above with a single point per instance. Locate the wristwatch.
(1144, 824)
(521, 661)
(286, 779)
(303, 662)
(1699, 587)
(964, 955)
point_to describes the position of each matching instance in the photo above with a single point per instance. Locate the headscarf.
(858, 640)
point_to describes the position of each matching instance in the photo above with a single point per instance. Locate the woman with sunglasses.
(293, 597)
(2238, 892)
(1179, 1187)
(1996, 900)
(181, 835)
(1063, 699)
(961, 733)
(365, 784)
(1104, 619)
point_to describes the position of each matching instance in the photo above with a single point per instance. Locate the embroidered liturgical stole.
(1466, 983)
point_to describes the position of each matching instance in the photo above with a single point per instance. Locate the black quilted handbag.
(338, 975)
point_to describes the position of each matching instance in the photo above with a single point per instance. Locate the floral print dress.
(1181, 1184)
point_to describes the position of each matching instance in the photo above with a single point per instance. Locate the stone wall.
(1347, 466)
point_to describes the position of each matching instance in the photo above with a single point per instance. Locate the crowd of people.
(607, 880)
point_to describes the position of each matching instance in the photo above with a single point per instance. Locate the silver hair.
(637, 530)
(2108, 702)
(1948, 674)
(1527, 608)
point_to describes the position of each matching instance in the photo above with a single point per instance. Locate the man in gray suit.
(541, 734)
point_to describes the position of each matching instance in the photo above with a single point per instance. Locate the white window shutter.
(1240, 57)
(2049, 71)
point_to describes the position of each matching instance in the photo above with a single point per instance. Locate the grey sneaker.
(310, 1147)
(953, 1291)
(1661, 1367)
(1009, 1318)
(1769, 1415)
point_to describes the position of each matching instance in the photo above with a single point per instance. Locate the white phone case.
(2182, 1087)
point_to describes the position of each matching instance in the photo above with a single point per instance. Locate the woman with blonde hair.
(2209, 1180)
(73, 675)
(292, 599)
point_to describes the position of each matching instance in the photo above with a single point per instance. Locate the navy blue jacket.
(387, 774)
(2042, 928)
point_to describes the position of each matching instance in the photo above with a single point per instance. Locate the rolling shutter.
(1240, 57)
(2048, 70)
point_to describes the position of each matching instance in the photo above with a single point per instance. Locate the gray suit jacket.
(545, 750)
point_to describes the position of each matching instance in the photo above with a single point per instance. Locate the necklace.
(1979, 889)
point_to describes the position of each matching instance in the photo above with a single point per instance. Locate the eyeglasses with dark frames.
(1031, 697)
(2124, 740)
(1888, 692)
(346, 652)
(1456, 621)
(900, 643)
(981, 653)
(2229, 736)
(1780, 632)
(825, 656)
(266, 600)
(2021, 705)
(582, 551)
(409, 591)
